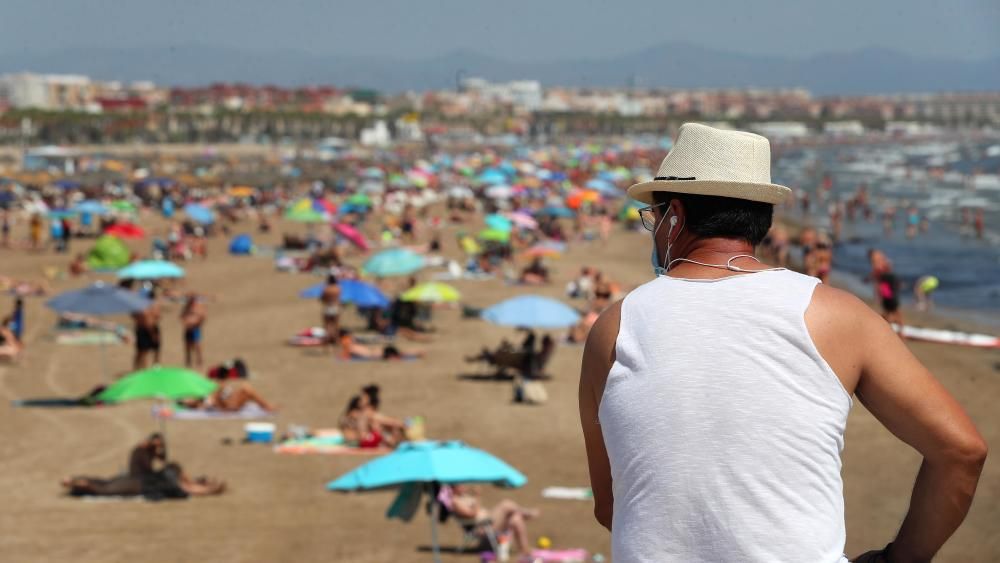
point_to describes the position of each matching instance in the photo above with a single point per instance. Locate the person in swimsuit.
(147, 336)
(193, 318)
(392, 430)
(330, 302)
(507, 516)
(886, 286)
(922, 291)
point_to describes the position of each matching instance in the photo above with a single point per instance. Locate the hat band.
(671, 178)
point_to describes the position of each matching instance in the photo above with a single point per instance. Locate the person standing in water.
(886, 286)
(193, 319)
(330, 303)
(714, 398)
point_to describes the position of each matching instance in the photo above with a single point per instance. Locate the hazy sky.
(510, 29)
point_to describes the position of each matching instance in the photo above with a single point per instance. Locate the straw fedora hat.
(715, 162)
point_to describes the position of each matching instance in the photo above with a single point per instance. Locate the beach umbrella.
(67, 184)
(494, 235)
(393, 262)
(151, 270)
(541, 251)
(604, 186)
(531, 311)
(359, 200)
(499, 191)
(125, 231)
(492, 176)
(356, 292)
(523, 220)
(199, 213)
(372, 187)
(99, 299)
(499, 223)
(426, 464)
(432, 292)
(90, 206)
(461, 192)
(306, 216)
(60, 214)
(554, 211)
(108, 253)
(352, 234)
(373, 173)
(242, 191)
(124, 206)
(158, 382)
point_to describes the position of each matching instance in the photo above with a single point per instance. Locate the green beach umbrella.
(158, 382)
(361, 200)
(305, 216)
(123, 205)
(494, 235)
(432, 292)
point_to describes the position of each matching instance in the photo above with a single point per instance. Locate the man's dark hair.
(722, 217)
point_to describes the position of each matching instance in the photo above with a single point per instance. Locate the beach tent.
(241, 245)
(108, 253)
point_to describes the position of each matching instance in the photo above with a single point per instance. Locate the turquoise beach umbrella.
(393, 262)
(430, 462)
(151, 270)
(422, 465)
(499, 223)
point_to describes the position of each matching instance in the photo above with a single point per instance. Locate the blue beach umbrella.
(553, 211)
(151, 270)
(90, 206)
(199, 213)
(604, 187)
(422, 465)
(359, 293)
(393, 262)
(532, 311)
(67, 184)
(99, 299)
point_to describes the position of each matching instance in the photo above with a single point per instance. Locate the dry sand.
(278, 510)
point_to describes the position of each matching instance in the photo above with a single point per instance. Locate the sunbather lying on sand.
(231, 395)
(143, 477)
(352, 350)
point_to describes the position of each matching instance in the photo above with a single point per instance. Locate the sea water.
(897, 176)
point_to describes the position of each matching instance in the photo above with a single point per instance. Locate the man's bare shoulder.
(599, 351)
(840, 314)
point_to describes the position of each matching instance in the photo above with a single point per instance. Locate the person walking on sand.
(147, 336)
(714, 398)
(193, 318)
(330, 303)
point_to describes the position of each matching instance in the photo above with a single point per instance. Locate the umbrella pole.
(435, 509)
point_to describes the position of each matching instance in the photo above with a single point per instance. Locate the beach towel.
(176, 412)
(87, 338)
(568, 493)
(325, 444)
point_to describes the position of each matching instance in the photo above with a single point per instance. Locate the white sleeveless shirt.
(724, 425)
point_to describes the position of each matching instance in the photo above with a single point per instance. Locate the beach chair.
(476, 535)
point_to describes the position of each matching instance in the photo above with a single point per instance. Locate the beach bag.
(534, 393)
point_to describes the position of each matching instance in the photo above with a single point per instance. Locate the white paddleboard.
(948, 336)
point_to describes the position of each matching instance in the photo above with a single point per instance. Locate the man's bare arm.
(598, 357)
(913, 405)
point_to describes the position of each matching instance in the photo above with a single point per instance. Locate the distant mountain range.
(681, 65)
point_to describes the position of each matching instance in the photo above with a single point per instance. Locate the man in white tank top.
(714, 398)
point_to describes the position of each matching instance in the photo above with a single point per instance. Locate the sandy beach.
(277, 508)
